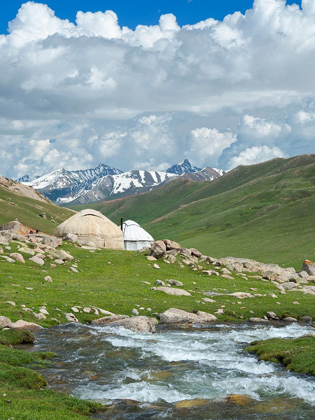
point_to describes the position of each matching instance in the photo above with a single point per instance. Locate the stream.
(148, 376)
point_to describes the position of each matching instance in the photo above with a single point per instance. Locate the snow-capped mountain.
(65, 186)
(24, 179)
(183, 168)
(206, 174)
(115, 186)
(107, 183)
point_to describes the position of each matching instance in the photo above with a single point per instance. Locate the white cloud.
(159, 93)
(256, 154)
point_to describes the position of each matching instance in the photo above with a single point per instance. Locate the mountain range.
(107, 183)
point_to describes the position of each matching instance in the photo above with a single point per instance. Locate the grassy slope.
(297, 355)
(27, 211)
(262, 211)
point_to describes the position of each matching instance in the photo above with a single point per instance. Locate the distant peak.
(183, 168)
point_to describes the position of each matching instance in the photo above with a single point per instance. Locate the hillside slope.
(26, 209)
(263, 211)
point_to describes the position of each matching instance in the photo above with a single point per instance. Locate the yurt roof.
(91, 223)
(134, 232)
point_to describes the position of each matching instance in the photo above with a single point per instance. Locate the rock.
(273, 316)
(156, 266)
(178, 316)
(195, 252)
(289, 285)
(175, 282)
(185, 252)
(241, 295)
(11, 303)
(239, 399)
(48, 278)
(255, 319)
(87, 310)
(225, 271)
(135, 312)
(37, 260)
(43, 214)
(51, 241)
(211, 272)
(27, 251)
(159, 283)
(219, 312)
(296, 303)
(170, 291)
(71, 237)
(74, 269)
(39, 316)
(23, 325)
(136, 324)
(170, 258)
(8, 259)
(108, 319)
(289, 319)
(186, 404)
(17, 257)
(71, 318)
(303, 274)
(60, 262)
(43, 311)
(205, 317)
(309, 267)
(306, 318)
(171, 245)
(5, 322)
(158, 249)
(226, 276)
(102, 311)
(151, 258)
(207, 300)
(75, 310)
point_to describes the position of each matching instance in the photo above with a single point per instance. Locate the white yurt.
(135, 237)
(92, 228)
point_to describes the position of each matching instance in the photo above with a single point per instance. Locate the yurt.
(135, 237)
(92, 228)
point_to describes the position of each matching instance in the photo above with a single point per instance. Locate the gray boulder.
(172, 292)
(309, 267)
(37, 260)
(17, 257)
(137, 324)
(178, 316)
(171, 244)
(158, 249)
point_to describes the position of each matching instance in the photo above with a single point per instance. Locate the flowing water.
(147, 376)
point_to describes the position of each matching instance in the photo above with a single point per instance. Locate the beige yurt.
(92, 228)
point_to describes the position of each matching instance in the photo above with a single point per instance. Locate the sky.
(144, 85)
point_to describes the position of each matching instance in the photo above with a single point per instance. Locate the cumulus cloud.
(236, 89)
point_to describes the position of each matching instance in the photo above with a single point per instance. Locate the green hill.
(14, 205)
(263, 211)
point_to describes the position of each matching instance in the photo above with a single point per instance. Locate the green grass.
(262, 211)
(297, 355)
(27, 211)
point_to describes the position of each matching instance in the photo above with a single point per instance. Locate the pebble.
(74, 269)
(296, 303)
(48, 278)
(74, 309)
(87, 310)
(11, 303)
(156, 266)
(135, 312)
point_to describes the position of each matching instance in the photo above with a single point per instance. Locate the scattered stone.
(11, 303)
(17, 257)
(207, 300)
(75, 310)
(241, 295)
(273, 296)
(255, 319)
(59, 261)
(195, 252)
(226, 276)
(40, 316)
(289, 319)
(87, 310)
(29, 288)
(159, 283)
(103, 312)
(306, 318)
(74, 269)
(5, 322)
(53, 265)
(71, 318)
(8, 259)
(175, 282)
(151, 258)
(296, 303)
(219, 312)
(71, 237)
(37, 260)
(273, 316)
(43, 311)
(289, 285)
(170, 291)
(156, 266)
(135, 312)
(225, 271)
(28, 251)
(48, 278)
(211, 272)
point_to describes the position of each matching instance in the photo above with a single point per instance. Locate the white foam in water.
(209, 364)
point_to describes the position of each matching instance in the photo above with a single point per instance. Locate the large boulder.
(51, 241)
(158, 249)
(309, 267)
(24, 325)
(5, 322)
(109, 319)
(171, 244)
(137, 324)
(178, 316)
